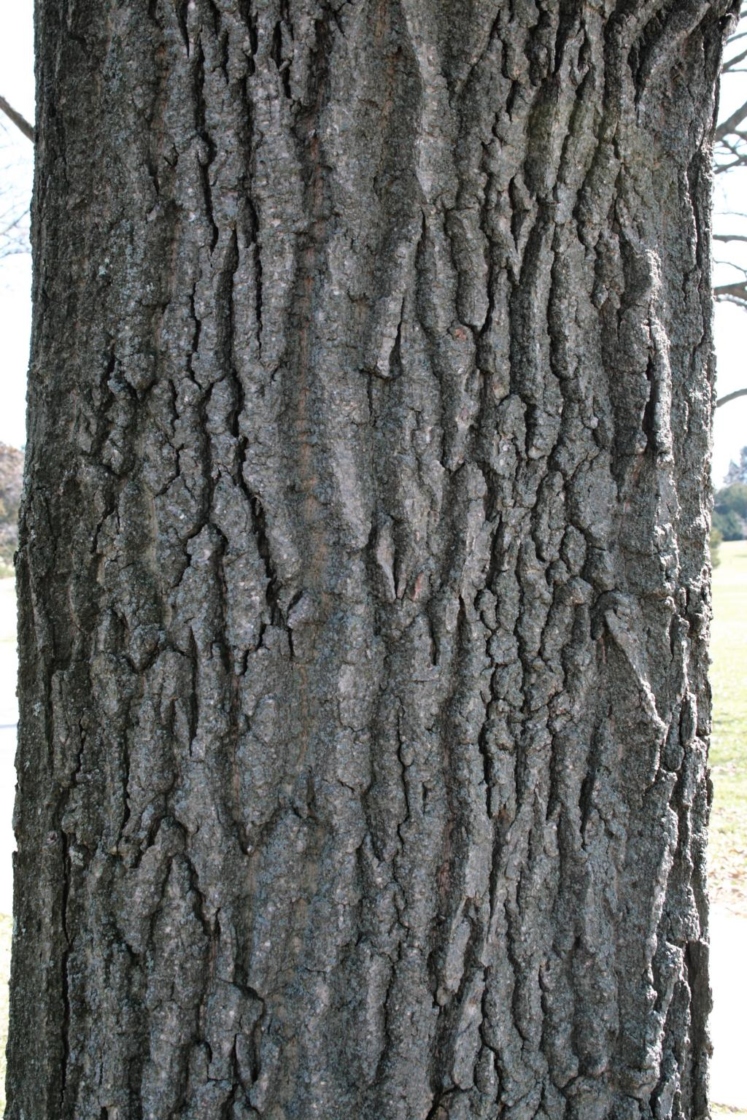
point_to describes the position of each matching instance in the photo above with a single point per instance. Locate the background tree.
(363, 564)
(11, 485)
(730, 155)
(727, 522)
(730, 161)
(737, 472)
(730, 506)
(14, 206)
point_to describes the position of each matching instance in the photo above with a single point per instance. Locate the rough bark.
(364, 590)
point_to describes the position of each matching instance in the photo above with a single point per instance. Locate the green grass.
(728, 836)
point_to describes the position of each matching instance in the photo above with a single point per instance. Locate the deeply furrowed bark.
(364, 592)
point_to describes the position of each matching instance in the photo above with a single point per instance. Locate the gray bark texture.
(364, 589)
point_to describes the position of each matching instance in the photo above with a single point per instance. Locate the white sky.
(17, 85)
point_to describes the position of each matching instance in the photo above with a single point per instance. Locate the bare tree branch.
(732, 291)
(730, 63)
(731, 123)
(730, 142)
(731, 397)
(18, 120)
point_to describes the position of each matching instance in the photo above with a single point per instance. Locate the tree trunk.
(363, 579)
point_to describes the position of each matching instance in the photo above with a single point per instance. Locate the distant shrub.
(729, 524)
(732, 498)
(730, 511)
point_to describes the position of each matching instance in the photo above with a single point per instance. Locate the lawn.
(728, 837)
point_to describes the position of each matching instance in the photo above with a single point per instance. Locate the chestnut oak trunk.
(363, 573)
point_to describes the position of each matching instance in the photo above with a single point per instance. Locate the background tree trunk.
(364, 591)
